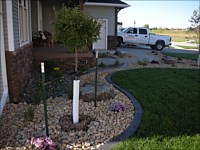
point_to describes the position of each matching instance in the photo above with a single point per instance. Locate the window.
(23, 21)
(142, 31)
(133, 31)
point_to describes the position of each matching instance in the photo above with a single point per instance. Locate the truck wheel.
(153, 47)
(159, 45)
(119, 40)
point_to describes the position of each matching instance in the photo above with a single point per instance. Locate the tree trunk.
(76, 60)
(81, 2)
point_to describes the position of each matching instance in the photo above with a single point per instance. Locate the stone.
(169, 61)
(104, 92)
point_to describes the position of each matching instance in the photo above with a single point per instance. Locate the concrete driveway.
(139, 53)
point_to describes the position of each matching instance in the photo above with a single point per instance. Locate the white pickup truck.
(138, 36)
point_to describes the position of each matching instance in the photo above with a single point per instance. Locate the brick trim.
(18, 63)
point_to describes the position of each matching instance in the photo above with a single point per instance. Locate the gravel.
(105, 124)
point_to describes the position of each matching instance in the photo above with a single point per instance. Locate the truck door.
(143, 36)
(132, 36)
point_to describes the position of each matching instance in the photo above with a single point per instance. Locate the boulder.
(104, 92)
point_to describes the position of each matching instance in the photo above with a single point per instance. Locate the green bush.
(143, 62)
(102, 65)
(29, 113)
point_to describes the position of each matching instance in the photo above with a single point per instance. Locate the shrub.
(102, 65)
(143, 62)
(29, 113)
(117, 63)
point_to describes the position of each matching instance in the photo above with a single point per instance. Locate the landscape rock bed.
(104, 126)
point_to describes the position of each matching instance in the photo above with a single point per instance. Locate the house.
(20, 21)
(106, 10)
(43, 15)
(16, 45)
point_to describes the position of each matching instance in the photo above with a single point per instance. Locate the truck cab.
(142, 36)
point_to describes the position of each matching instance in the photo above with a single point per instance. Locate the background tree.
(146, 26)
(75, 30)
(195, 23)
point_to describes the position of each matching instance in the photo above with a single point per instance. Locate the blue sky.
(170, 14)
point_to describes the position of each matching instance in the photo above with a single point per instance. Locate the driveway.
(139, 53)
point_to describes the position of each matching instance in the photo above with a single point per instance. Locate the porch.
(59, 53)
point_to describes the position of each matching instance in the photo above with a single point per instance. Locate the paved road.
(139, 53)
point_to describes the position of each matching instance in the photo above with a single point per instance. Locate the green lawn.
(187, 47)
(182, 55)
(177, 35)
(171, 108)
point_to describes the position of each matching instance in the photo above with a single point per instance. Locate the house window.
(23, 21)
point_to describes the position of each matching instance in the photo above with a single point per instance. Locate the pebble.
(106, 124)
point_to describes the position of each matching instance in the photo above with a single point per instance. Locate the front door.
(101, 44)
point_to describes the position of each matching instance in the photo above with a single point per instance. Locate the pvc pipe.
(76, 101)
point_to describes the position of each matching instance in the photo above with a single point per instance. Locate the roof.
(115, 3)
(107, 1)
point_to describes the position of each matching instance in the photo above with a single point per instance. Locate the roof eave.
(106, 4)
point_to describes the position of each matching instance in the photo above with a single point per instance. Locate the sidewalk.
(174, 45)
(137, 54)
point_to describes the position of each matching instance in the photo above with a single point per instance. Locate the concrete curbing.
(133, 125)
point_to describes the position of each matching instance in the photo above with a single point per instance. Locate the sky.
(165, 14)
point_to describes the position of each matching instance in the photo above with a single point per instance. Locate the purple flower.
(117, 106)
(42, 143)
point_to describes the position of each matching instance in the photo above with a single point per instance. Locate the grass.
(177, 35)
(187, 47)
(182, 55)
(170, 103)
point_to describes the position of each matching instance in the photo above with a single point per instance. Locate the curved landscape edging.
(134, 123)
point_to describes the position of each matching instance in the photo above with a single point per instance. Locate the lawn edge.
(135, 123)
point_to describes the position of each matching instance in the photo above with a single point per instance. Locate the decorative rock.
(104, 92)
(104, 126)
(169, 61)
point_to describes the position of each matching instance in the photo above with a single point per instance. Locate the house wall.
(48, 12)
(3, 72)
(16, 24)
(19, 60)
(5, 24)
(104, 12)
(34, 18)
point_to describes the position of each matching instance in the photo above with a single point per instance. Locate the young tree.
(75, 29)
(195, 23)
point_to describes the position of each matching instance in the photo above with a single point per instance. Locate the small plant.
(29, 113)
(102, 65)
(117, 106)
(82, 68)
(143, 62)
(36, 96)
(117, 63)
(70, 93)
(43, 143)
(57, 73)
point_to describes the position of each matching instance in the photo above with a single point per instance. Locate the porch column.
(9, 12)
(3, 97)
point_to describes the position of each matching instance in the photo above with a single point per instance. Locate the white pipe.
(76, 101)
